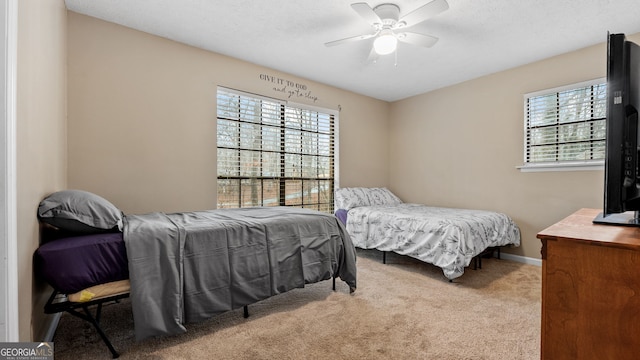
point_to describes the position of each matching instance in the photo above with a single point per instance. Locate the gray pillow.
(80, 211)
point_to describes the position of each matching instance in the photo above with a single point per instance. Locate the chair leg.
(58, 303)
(88, 317)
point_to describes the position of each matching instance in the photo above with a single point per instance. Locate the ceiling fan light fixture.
(386, 43)
(389, 28)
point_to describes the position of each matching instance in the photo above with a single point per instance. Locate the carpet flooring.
(404, 309)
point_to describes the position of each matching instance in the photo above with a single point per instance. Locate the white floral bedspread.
(448, 238)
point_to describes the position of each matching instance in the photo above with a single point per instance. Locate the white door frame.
(9, 319)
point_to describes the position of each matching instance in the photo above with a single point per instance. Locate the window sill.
(568, 166)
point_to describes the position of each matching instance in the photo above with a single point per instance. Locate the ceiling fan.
(389, 27)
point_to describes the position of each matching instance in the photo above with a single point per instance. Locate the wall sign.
(291, 89)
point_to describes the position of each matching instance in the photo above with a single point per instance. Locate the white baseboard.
(520, 259)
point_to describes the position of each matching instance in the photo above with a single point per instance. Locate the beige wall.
(142, 118)
(459, 147)
(41, 141)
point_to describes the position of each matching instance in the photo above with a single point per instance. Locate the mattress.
(75, 263)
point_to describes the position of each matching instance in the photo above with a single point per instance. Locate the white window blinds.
(566, 125)
(271, 153)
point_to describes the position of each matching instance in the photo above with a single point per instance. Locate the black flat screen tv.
(621, 172)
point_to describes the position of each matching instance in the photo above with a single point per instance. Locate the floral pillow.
(349, 198)
(382, 196)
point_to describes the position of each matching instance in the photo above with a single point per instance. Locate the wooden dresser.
(590, 290)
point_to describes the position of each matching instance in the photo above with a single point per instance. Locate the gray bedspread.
(187, 267)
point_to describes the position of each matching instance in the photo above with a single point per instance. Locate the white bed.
(445, 237)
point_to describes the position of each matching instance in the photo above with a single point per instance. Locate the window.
(273, 153)
(565, 127)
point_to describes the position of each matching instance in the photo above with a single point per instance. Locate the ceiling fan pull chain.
(396, 58)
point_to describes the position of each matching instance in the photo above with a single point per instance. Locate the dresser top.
(579, 226)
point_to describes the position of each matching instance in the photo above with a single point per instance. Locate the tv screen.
(621, 175)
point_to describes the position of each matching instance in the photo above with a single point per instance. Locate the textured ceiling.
(476, 37)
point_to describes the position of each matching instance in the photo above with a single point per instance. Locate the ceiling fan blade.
(349, 39)
(366, 12)
(417, 39)
(425, 12)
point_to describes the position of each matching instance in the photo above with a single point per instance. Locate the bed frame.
(477, 260)
(59, 302)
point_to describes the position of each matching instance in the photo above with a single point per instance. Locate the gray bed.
(187, 267)
(183, 267)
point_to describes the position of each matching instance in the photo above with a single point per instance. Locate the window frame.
(575, 165)
(284, 109)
